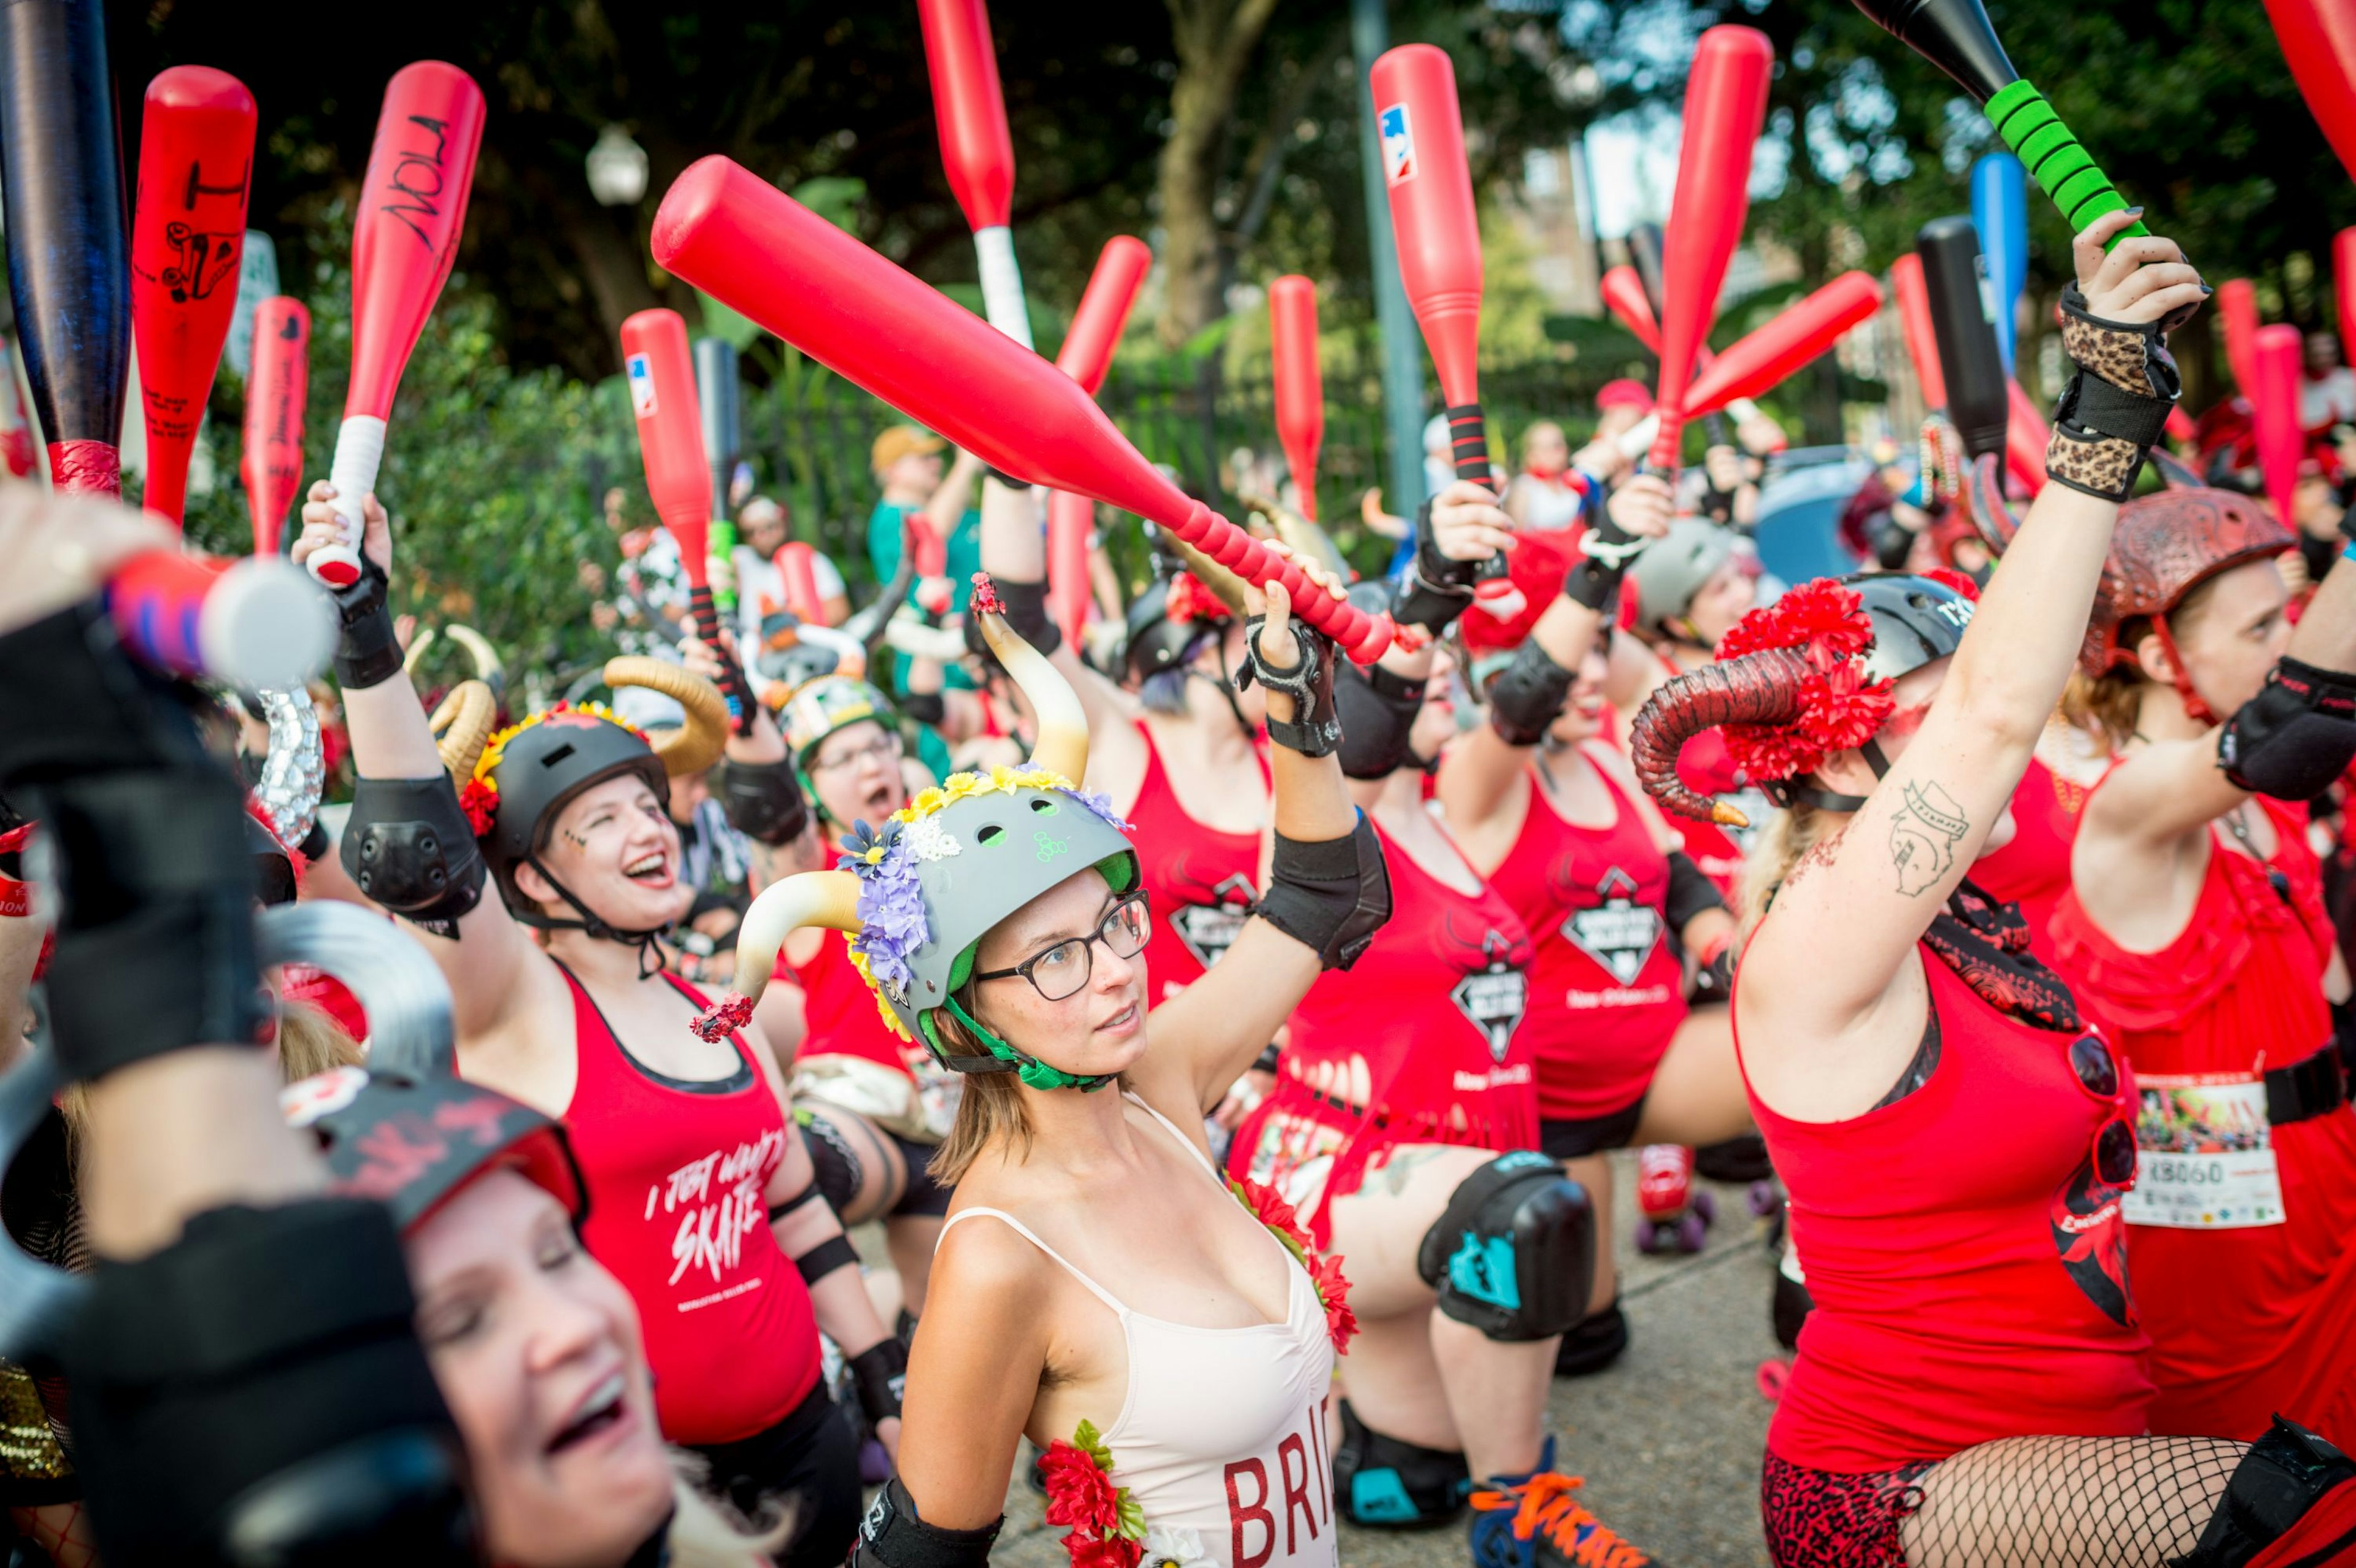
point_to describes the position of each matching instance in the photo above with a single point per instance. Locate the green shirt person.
(907, 462)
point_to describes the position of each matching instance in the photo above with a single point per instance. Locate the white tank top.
(1223, 1431)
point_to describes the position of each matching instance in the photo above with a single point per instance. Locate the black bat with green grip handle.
(1956, 37)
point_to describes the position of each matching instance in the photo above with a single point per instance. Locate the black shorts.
(807, 1464)
(925, 1196)
(1591, 1134)
(841, 1172)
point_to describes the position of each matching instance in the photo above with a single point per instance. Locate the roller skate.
(1672, 1216)
(1388, 1483)
(1736, 1162)
(1537, 1521)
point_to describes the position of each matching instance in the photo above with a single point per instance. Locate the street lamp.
(618, 168)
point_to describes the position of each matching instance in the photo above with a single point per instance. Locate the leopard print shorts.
(1820, 1518)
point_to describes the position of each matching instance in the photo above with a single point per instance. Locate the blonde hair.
(1787, 838)
(310, 1041)
(2110, 705)
(990, 1112)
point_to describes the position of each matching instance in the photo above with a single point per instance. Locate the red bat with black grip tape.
(187, 235)
(275, 394)
(1726, 107)
(755, 248)
(412, 207)
(67, 266)
(678, 476)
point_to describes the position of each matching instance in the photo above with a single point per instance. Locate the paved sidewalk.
(1668, 1439)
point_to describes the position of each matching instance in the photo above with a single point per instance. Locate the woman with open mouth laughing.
(1098, 1286)
(702, 1203)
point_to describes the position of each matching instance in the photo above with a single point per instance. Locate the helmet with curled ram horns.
(1799, 680)
(918, 894)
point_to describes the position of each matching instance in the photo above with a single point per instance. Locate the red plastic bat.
(2026, 437)
(188, 232)
(275, 396)
(1086, 356)
(1436, 230)
(2276, 357)
(2318, 40)
(1299, 383)
(1921, 340)
(671, 437)
(797, 570)
(739, 239)
(412, 207)
(2237, 310)
(977, 149)
(1770, 352)
(256, 623)
(1726, 106)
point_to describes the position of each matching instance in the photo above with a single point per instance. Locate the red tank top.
(1608, 986)
(1966, 1260)
(838, 1009)
(676, 1174)
(2032, 869)
(1425, 1032)
(2249, 1320)
(1201, 881)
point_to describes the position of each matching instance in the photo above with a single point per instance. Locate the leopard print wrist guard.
(2114, 407)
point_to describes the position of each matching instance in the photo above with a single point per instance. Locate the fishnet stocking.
(2031, 1502)
(62, 1529)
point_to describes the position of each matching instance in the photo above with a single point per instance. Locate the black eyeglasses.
(1063, 970)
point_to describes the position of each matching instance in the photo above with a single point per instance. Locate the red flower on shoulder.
(1333, 1292)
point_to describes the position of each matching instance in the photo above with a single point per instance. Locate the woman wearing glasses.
(1098, 1286)
(2194, 926)
(1971, 1386)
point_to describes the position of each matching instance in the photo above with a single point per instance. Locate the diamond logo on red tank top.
(1208, 930)
(1619, 933)
(1494, 999)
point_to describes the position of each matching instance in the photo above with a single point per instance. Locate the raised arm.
(1830, 965)
(479, 946)
(1323, 878)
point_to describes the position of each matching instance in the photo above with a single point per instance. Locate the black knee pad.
(1391, 1484)
(1514, 1253)
(833, 1158)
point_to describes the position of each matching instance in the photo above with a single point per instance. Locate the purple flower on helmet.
(892, 913)
(864, 848)
(1101, 805)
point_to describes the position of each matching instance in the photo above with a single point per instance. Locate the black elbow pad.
(1331, 895)
(761, 800)
(2296, 737)
(924, 707)
(1528, 696)
(410, 848)
(892, 1536)
(1377, 709)
(1691, 892)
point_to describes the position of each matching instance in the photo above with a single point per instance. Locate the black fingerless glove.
(1315, 729)
(880, 1373)
(1595, 581)
(1436, 589)
(367, 652)
(2116, 405)
(154, 945)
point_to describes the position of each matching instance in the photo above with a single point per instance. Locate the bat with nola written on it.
(188, 233)
(275, 393)
(412, 209)
(1085, 357)
(977, 149)
(68, 270)
(755, 248)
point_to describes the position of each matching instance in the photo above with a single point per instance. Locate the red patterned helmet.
(2165, 545)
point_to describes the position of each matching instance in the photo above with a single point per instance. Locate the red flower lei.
(1190, 600)
(1268, 1207)
(1107, 1527)
(1839, 709)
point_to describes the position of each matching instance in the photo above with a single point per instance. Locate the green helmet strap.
(1029, 1069)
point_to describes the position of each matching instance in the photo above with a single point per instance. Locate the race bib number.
(2204, 1154)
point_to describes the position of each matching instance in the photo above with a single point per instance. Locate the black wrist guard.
(1691, 892)
(1376, 710)
(155, 947)
(2117, 404)
(1595, 581)
(880, 1373)
(2296, 737)
(1270, 1056)
(255, 1393)
(892, 1536)
(761, 800)
(1528, 696)
(72, 704)
(1436, 589)
(1025, 607)
(825, 1258)
(1714, 981)
(367, 653)
(410, 847)
(1331, 895)
(924, 707)
(1315, 731)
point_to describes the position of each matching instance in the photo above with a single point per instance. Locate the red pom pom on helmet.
(1838, 708)
(1189, 601)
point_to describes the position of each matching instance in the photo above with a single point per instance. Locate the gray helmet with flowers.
(918, 894)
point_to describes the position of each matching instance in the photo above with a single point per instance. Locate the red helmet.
(2165, 545)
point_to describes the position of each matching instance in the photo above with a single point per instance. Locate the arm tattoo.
(1923, 833)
